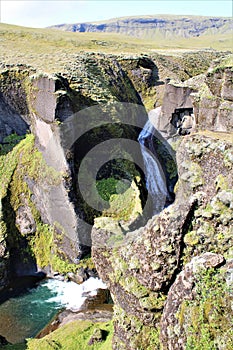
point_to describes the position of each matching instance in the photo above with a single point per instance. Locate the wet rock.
(79, 277)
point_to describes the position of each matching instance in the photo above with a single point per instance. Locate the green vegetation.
(9, 143)
(73, 336)
(208, 319)
(124, 200)
(110, 186)
(47, 252)
(25, 160)
(58, 48)
(135, 333)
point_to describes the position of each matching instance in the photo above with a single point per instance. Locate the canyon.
(164, 271)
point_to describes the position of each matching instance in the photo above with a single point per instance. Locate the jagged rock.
(141, 267)
(97, 337)
(45, 224)
(172, 335)
(175, 97)
(11, 121)
(25, 221)
(199, 103)
(79, 277)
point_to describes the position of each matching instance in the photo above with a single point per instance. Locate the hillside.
(57, 48)
(156, 26)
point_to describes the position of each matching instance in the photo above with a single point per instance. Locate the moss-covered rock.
(198, 311)
(141, 267)
(29, 241)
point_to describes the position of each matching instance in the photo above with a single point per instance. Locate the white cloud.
(40, 13)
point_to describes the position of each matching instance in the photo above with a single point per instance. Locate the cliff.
(154, 266)
(171, 279)
(42, 225)
(203, 102)
(156, 274)
(167, 26)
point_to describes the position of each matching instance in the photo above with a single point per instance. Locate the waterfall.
(155, 178)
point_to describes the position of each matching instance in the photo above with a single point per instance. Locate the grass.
(210, 313)
(73, 336)
(51, 49)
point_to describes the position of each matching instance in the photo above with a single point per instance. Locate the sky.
(42, 13)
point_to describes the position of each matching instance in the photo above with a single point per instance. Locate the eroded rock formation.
(152, 272)
(41, 216)
(142, 269)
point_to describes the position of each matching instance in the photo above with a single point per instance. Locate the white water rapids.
(72, 295)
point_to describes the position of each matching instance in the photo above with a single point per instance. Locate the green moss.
(110, 186)
(126, 204)
(42, 244)
(153, 302)
(135, 333)
(87, 262)
(9, 143)
(73, 336)
(193, 175)
(61, 264)
(150, 338)
(26, 162)
(191, 238)
(131, 285)
(207, 320)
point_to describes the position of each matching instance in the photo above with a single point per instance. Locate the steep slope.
(171, 280)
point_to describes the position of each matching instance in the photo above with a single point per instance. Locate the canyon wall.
(154, 272)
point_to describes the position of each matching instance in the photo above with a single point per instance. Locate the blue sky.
(42, 13)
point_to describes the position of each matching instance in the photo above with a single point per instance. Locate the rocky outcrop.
(43, 214)
(150, 26)
(41, 223)
(143, 269)
(203, 102)
(176, 323)
(213, 107)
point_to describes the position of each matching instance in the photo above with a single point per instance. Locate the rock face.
(203, 102)
(11, 122)
(176, 105)
(144, 269)
(182, 291)
(41, 222)
(153, 272)
(214, 107)
(150, 26)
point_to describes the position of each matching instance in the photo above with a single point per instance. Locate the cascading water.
(155, 178)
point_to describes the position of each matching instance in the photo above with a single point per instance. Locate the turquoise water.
(25, 315)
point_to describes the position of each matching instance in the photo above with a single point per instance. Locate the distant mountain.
(151, 27)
